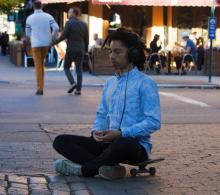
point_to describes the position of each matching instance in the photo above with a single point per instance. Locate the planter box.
(215, 63)
(100, 62)
(16, 53)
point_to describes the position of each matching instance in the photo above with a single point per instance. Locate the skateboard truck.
(142, 167)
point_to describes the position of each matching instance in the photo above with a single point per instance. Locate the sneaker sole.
(115, 173)
(71, 89)
(67, 168)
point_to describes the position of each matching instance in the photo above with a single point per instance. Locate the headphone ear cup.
(133, 55)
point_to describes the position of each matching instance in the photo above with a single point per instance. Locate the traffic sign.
(212, 27)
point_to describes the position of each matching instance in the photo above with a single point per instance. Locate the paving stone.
(2, 191)
(58, 184)
(71, 179)
(17, 179)
(17, 191)
(19, 185)
(56, 179)
(40, 192)
(77, 186)
(57, 192)
(37, 180)
(110, 192)
(82, 192)
(3, 183)
(59, 187)
(38, 186)
(2, 176)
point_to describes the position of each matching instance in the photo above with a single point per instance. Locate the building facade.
(168, 18)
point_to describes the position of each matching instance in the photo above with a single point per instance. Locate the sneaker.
(112, 172)
(77, 92)
(39, 92)
(66, 167)
(72, 87)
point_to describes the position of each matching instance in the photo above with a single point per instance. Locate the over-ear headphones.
(134, 52)
(133, 43)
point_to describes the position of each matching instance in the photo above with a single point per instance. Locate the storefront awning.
(199, 3)
(60, 1)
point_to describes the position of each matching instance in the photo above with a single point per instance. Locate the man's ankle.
(66, 167)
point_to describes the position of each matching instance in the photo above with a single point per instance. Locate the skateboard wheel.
(152, 170)
(133, 172)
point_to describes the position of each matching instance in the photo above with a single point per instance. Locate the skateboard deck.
(142, 167)
(149, 161)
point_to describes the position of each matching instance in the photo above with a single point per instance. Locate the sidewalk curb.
(191, 86)
(4, 82)
(168, 86)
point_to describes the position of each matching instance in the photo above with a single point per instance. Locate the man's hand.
(106, 136)
(97, 135)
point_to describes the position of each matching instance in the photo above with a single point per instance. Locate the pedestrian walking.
(76, 34)
(38, 31)
(129, 112)
(4, 43)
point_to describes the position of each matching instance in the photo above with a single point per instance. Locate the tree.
(7, 5)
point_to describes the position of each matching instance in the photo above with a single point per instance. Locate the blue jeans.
(77, 57)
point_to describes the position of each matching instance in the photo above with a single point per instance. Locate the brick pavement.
(41, 184)
(192, 165)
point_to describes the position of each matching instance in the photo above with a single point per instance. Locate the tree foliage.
(7, 5)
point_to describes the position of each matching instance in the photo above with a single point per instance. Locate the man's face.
(95, 36)
(184, 38)
(70, 13)
(118, 55)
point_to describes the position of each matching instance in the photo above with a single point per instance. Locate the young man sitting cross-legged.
(129, 112)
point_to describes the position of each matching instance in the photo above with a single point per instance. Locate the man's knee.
(58, 142)
(66, 67)
(121, 144)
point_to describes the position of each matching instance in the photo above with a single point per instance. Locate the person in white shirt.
(38, 30)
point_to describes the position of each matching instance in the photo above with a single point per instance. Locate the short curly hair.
(132, 41)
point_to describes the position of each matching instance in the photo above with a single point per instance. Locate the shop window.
(184, 21)
(191, 19)
(116, 21)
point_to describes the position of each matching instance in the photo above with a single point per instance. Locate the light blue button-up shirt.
(137, 114)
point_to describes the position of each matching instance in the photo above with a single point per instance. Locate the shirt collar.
(73, 18)
(38, 11)
(133, 70)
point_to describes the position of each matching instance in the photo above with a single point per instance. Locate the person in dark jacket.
(155, 49)
(4, 43)
(76, 34)
(153, 45)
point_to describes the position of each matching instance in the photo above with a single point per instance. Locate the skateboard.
(142, 167)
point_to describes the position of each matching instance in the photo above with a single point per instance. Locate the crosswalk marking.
(184, 99)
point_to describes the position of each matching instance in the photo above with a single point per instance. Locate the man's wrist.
(92, 132)
(120, 132)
